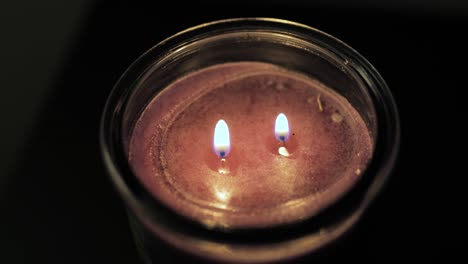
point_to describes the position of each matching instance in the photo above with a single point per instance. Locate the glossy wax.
(171, 148)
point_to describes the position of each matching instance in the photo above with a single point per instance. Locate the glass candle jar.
(249, 215)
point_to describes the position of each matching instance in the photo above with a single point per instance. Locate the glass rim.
(143, 203)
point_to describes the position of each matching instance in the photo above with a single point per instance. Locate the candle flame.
(221, 141)
(281, 128)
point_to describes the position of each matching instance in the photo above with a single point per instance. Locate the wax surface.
(171, 149)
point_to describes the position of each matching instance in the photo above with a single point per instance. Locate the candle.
(269, 174)
(248, 140)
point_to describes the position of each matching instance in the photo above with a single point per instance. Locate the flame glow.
(223, 195)
(221, 141)
(281, 128)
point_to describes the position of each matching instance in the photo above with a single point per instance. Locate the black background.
(57, 203)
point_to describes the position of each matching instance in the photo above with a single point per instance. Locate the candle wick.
(223, 166)
(283, 150)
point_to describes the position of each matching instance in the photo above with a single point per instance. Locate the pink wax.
(171, 148)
